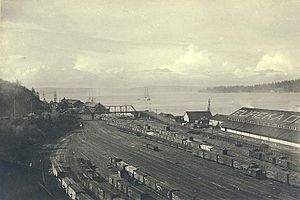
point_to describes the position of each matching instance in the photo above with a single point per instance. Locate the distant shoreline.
(288, 86)
(271, 92)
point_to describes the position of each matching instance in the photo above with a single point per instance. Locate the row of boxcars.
(282, 161)
(68, 184)
(137, 177)
(205, 151)
(88, 184)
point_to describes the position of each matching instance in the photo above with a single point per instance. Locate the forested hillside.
(283, 86)
(18, 101)
(22, 134)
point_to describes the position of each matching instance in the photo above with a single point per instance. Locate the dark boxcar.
(82, 196)
(137, 193)
(254, 172)
(211, 156)
(195, 151)
(122, 186)
(282, 176)
(295, 167)
(294, 180)
(106, 191)
(225, 160)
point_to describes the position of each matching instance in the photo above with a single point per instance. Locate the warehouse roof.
(278, 124)
(288, 135)
(272, 118)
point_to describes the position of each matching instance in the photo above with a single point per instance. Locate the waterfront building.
(273, 126)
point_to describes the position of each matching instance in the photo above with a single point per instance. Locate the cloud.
(95, 63)
(276, 63)
(21, 26)
(196, 62)
(19, 67)
(142, 42)
(194, 57)
(193, 60)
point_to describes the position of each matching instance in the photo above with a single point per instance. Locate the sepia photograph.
(149, 99)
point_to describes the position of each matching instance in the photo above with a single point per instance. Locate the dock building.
(275, 126)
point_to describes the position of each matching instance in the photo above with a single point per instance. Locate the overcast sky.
(70, 43)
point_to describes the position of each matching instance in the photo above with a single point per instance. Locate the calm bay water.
(177, 102)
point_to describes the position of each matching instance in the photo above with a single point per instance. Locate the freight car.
(150, 146)
(130, 170)
(211, 156)
(225, 160)
(164, 190)
(253, 171)
(140, 176)
(137, 193)
(71, 187)
(83, 196)
(104, 191)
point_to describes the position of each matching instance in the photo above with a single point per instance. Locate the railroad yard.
(119, 157)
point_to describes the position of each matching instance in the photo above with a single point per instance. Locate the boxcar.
(294, 180)
(106, 191)
(130, 170)
(211, 156)
(225, 160)
(282, 176)
(82, 196)
(164, 190)
(137, 193)
(150, 182)
(140, 176)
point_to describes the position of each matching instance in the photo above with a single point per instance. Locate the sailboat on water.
(146, 95)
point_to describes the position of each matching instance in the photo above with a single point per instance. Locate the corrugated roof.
(273, 118)
(288, 135)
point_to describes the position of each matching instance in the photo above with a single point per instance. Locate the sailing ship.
(146, 95)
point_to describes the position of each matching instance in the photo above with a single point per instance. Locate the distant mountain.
(17, 100)
(282, 86)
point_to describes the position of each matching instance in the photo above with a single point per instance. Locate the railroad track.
(98, 141)
(213, 185)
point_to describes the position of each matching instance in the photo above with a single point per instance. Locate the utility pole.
(31, 105)
(14, 106)
(55, 96)
(44, 99)
(208, 105)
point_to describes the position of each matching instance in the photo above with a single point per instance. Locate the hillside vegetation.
(283, 86)
(26, 123)
(17, 100)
